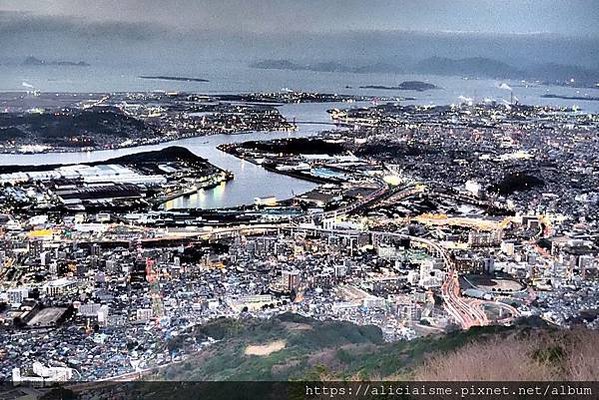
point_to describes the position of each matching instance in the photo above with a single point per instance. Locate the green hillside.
(313, 350)
(305, 351)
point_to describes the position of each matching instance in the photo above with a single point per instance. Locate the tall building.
(485, 239)
(17, 295)
(291, 280)
(36, 247)
(137, 275)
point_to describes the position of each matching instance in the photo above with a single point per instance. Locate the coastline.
(158, 141)
(270, 167)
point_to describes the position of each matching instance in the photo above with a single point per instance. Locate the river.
(250, 181)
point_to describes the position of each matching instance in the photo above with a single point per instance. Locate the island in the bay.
(417, 86)
(173, 78)
(566, 97)
(32, 61)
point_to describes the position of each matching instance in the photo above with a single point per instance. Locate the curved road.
(466, 313)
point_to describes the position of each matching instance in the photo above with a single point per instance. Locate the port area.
(142, 181)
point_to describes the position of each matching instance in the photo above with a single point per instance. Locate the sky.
(560, 17)
(135, 31)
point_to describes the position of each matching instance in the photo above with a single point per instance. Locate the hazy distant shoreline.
(476, 67)
(563, 97)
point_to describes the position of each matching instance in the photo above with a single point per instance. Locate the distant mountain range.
(467, 67)
(327, 67)
(36, 62)
(570, 75)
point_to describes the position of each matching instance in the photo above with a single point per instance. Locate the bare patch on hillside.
(265, 349)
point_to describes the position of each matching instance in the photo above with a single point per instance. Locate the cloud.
(139, 32)
(15, 23)
(271, 16)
